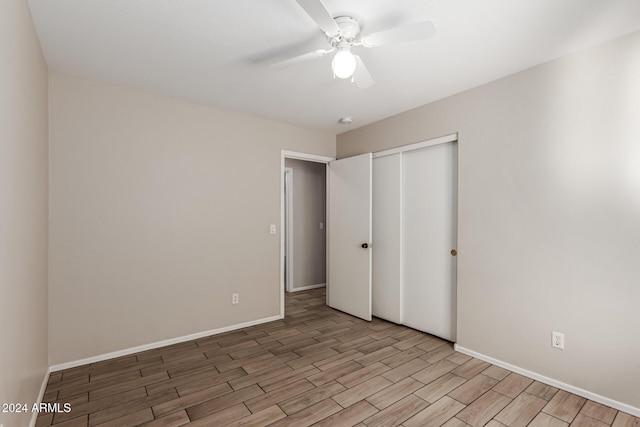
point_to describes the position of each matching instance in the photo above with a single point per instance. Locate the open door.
(350, 194)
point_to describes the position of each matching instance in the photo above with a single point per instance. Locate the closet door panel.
(429, 235)
(387, 237)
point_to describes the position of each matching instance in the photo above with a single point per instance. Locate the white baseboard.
(555, 383)
(306, 288)
(43, 387)
(158, 344)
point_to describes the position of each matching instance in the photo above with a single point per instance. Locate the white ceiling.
(218, 52)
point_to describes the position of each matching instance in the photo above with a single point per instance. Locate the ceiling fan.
(343, 33)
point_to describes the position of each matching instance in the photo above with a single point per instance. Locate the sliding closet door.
(429, 218)
(387, 228)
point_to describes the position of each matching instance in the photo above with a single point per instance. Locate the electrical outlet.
(235, 298)
(557, 340)
(272, 229)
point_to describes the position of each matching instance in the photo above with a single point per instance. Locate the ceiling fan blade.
(361, 77)
(418, 31)
(319, 13)
(302, 58)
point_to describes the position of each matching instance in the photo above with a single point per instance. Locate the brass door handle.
(454, 252)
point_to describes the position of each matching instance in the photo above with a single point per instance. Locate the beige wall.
(549, 214)
(309, 210)
(23, 210)
(160, 210)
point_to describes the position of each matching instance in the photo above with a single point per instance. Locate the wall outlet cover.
(557, 340)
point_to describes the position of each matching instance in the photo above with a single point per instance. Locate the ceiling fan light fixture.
(343, 64)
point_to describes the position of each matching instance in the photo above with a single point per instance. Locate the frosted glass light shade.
(343, 64)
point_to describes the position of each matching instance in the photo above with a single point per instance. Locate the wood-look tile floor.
(317, 366)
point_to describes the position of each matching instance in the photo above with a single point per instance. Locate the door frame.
(286, 154)
(288, 227)
(418, 145)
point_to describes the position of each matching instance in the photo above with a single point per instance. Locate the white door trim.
(304, 156)
(418, 145)
(288, 229)
(286, 154)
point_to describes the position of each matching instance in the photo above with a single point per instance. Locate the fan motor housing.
(349, 27)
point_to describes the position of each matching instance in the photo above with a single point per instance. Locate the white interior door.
(349, 269)
(429, 221)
